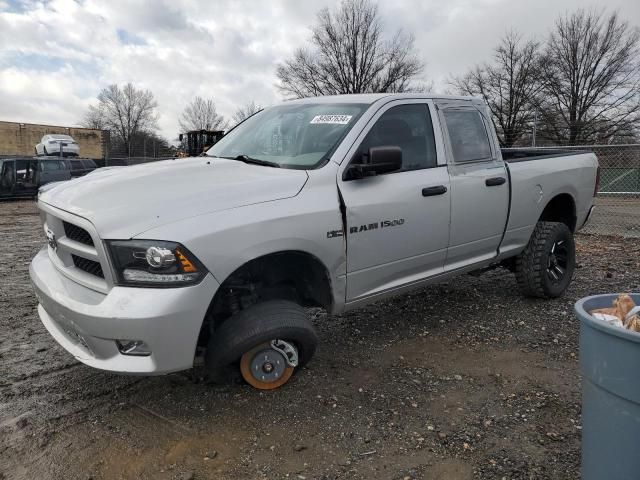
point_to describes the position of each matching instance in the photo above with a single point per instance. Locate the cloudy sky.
(55, 56)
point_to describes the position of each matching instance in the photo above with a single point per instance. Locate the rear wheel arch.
(561, 208)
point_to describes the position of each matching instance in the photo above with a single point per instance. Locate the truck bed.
(535, 183)
(512, 155)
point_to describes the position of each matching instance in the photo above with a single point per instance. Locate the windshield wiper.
(254, 161)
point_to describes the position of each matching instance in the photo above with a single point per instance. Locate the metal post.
(61, 155)
(535, 128)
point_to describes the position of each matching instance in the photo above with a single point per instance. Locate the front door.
(26, 177)
(397, 223)
(479, 188)
(7, 178)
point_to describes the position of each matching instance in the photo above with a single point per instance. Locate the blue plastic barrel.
(610, 366)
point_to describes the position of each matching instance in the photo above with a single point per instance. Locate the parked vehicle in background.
(51, 144)
(22, 176)
(199, 141)
(81, 166)
(331, 202)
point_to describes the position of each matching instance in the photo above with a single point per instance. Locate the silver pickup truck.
(332, 202)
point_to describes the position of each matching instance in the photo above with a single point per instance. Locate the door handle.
(495, 181)
(432, 191)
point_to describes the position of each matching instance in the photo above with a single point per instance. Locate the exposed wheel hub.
(269, 365)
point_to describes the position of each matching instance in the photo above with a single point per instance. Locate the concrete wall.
(21, 139)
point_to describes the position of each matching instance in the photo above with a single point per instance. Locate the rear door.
(77, 169)
(89, 165)
(479, 185)
(397, 223)
(53, 171)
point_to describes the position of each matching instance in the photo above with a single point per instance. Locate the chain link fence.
(618, 202)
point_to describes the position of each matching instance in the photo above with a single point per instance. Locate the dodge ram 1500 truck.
(332, 202)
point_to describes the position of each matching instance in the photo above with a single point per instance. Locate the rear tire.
(545, 268)
(258, 324)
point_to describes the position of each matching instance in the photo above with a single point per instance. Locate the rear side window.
(89, 163)
(51, 165)
(408, 127)
(468, 135)
(76, 165)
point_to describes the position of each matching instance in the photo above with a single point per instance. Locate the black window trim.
(465, 108)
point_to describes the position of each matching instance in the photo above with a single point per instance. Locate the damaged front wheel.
(263, 344)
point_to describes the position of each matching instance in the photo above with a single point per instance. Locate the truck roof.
(370, 98)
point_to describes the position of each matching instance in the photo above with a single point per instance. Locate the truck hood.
(125, 202)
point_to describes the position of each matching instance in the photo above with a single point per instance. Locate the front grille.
(77, 233)
(89, 266)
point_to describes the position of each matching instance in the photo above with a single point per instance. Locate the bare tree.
(94, 118)
(591, 79)
(125, 111)
(245, 111)
(349, 54)
(201, 114)
(509, 85)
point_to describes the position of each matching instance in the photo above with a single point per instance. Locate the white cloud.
(55, 56)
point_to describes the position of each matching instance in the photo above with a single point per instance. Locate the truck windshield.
(301, 136)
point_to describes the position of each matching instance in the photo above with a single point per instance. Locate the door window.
(51, 165)
(89, 163)
(76, 165)
(468, 135)
(408, 127)
(25, 171)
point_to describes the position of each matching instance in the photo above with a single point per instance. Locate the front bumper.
(87, 323)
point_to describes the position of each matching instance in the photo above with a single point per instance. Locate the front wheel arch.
(292, 275)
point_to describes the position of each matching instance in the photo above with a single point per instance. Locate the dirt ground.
(462, 380)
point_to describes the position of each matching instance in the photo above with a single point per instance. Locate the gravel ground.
(465, 379)
(615, 215)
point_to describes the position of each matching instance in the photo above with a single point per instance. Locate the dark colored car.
(22, 176)
(81, 166)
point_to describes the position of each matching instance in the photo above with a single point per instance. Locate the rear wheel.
(545, 268)
(262, 345)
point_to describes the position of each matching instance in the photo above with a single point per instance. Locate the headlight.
(153, 263)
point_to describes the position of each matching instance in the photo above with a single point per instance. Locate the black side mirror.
(379, 160)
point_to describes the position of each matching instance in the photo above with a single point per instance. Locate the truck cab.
(330, 202)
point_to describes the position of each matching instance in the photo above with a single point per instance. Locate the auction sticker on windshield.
(335, 119)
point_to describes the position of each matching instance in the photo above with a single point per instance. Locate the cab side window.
(468, 135)
(408, 127)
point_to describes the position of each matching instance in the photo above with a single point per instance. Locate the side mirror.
(379, 160)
